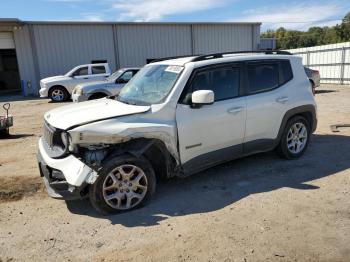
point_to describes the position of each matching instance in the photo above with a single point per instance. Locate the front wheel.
(124, 183)
(295, 138)
(58, 94)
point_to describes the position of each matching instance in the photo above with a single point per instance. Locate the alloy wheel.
(57, 95)
(125, 187)
(297, 138)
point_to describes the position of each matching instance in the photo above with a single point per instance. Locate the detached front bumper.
(79, 98)
(64, 178)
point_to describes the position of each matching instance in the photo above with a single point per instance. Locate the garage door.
(6, 40)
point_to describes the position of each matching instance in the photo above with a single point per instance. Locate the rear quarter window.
(287, 72)
(96, 70)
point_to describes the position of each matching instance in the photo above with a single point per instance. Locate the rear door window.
(262, 76)
(96, 70)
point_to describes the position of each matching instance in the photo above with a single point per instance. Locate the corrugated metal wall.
(267, 43)
(46, 49)
(62, 47)
(223, 38)
(136, 43)
(333, 61)
(25, 58)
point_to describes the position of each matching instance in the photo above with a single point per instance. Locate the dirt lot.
(254, 209)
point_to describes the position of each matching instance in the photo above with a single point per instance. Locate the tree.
(288, 39)
(344, 28)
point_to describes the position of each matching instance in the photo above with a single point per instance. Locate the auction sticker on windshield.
(174, 69)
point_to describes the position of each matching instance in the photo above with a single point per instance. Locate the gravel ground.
(253, 209)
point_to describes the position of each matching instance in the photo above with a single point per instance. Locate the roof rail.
(221, 55)
(168, 58)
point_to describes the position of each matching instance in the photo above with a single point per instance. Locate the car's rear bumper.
(64, 178)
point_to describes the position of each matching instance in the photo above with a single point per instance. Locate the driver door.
(212, 133)
(81, 75)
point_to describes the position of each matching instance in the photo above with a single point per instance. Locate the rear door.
(267, 90)
(212, 133)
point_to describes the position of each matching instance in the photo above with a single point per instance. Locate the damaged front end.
(66, 177)
(70, 161)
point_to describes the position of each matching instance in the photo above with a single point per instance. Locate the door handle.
(282, 99)
(235, 110)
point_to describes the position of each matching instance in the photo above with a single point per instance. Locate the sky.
(291, 14)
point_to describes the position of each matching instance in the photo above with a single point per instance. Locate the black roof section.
(221, 55)
(169, 58)
(198, 58)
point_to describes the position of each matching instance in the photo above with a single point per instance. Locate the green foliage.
(288, 39)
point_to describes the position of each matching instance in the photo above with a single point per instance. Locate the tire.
(293, 143)
(4, 133)
(110, 195)
(58, 94)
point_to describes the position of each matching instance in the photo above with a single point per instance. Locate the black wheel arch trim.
(300, 110)
(61, 86)
(139, 147)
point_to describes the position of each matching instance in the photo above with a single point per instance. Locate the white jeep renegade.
(174, 118)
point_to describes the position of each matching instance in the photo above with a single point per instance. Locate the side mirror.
(202, 97)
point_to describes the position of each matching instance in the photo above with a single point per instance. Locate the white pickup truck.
(60, 88)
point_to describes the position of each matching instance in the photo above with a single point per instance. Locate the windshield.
(115, 75)
(151, 85)
(70, 73)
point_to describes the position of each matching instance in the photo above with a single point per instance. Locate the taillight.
(316, 72)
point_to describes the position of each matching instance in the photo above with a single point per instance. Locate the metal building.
(30, 51)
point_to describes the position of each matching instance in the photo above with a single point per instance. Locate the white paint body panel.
(209, 128)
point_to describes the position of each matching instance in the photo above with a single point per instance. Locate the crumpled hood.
(55, 78)
(86, 112)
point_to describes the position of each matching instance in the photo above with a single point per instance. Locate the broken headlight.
(65, 138)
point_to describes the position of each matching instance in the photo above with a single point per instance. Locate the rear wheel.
(58, 94)
(295, 138)
(124, 183)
